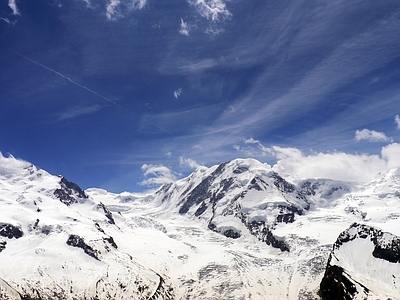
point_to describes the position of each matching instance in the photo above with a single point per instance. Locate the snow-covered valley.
(233, 231)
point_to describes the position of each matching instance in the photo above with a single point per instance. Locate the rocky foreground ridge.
(238, 230)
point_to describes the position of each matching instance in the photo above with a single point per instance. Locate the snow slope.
(233, 231)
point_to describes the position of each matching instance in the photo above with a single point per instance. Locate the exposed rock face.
(10, 231)
(264, 234)
(386, 246)
(77, 241)
(3, 245)
(336, 285)
(359, 250)
(237, 197)
(69, 192)
(107, 212)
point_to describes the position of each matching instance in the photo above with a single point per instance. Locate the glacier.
(237, 230)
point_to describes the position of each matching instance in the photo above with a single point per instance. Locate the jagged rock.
(111, 241)
(202, 191)
(108, 213)
(69, 192)
(264, 234)
(285, 218)
(77, 241)
(163, 291)
(386, 246)
(10, 231)
(360, 244)
(3, 245)
(336, 285)
(282, 184)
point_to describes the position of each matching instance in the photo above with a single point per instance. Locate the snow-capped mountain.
(238, 230)
(57, 243)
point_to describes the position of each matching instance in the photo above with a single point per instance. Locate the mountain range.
(238, 230)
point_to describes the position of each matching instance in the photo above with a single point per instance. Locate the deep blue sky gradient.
(304, 74)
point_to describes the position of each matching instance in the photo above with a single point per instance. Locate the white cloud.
(260, 111)
(10, 166)
(214, 10)
(397, 120)
(78, 111)
(391, 154)
(371, 135)
(195, 67)
(214, 31)
(338, 165)
(252, 148)
(258, 143)
(7, 20)
(112, 11)
(185, 28)
(117, 9)
(188, 162)
(294, 164)
(157, 175)
(136, 4)
(177, 93)
(13, 5)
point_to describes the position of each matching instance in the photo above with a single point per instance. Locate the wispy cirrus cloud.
(185, 28)
(350, 58)
(214, 10)
(397, 120)
(177, 93)
(112, 10)
(13, 5)
(116, 9)
(8, 21)
(199, 66)
(252, 148)
(77, 111)
(371, 136)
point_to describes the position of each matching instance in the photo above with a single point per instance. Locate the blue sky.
(121, 94)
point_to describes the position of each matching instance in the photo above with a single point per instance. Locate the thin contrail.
(85, 88)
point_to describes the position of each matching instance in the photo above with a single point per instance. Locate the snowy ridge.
(364, 262)
(245, 196)
(60, 242)
(233, 231)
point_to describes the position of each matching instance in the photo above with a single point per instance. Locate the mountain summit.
(237, 230)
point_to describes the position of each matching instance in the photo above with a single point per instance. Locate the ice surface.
(159, 248)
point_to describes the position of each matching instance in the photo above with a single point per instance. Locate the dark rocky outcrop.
(111, 241)
(163, 290)
(10, 231)
(386, 245)
(230, 233)
(281, 184)
(202, 191)
(308, 188)
(256, 184)
(69, 192)
(3, 245)
(77, 241)
(285, 218)
(264, 234)
(336, 285)
(107, 213)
